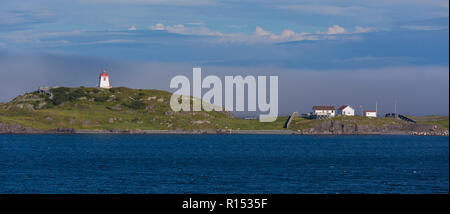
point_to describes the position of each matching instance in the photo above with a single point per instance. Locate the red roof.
(323, 107)
(370, 111)
(342, 107)
(104, 74)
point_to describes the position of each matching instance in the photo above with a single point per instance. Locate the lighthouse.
(103, 81)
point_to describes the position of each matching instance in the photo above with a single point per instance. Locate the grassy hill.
(129, 109)
(117, 108)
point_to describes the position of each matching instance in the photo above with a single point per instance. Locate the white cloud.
(285, 35)
(181, 29)
(359, 29)
(260, 35)
(132, 28)
(158, 26)
(336, 29)
(261, 32)
(263, 36)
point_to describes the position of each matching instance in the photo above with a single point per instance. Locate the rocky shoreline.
(325, 128)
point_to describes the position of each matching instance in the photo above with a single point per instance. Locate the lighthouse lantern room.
(104, 80)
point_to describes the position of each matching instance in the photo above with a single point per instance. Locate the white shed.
(370, 113)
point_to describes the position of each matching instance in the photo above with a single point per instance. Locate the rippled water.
(223, 164)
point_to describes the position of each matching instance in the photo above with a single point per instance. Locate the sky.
(325, 52)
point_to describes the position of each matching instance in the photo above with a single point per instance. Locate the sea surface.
(109, 163)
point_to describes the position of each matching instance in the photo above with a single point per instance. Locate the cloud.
(290, 35)
(157, 2)
(324, 9)
(20, 19)
(336, 29)
(260, 35)
(195, 23)
(261, 32)
(359, 29)
(181, 29)
(109, 41)
(424, 27)
(132, 28)
(158, 26)
(31, 38)
(285, 35)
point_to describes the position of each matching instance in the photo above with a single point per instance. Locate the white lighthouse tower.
(103, 81)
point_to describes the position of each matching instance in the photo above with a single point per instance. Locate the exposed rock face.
(62, 130)
(200, 113)
(16, 128)
(344, 127)
(199, 122)
(169, 113)
(42, 104)
(116, 108)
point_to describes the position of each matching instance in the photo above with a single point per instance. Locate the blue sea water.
(223, 164)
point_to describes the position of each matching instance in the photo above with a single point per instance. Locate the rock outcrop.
(16, 128)
(351, 128)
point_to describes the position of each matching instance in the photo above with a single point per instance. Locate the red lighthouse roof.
(104, 74)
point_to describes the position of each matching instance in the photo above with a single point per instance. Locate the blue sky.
(338, 43)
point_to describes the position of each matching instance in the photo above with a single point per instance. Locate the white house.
(346, 110)
(370, 113)
(324, 111)
(103, 81)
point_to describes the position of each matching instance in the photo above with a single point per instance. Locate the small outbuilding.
(370, 113)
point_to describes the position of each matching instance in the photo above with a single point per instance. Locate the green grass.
(118, 108)
(441, 121)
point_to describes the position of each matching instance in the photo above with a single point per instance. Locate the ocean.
(110, 163)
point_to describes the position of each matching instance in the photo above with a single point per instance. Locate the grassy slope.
(441, 121)
(123, 108)
(118, 108)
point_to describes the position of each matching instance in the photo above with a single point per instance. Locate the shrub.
(135, 105)
(76, 94)
(101, 99)
(60, 95)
